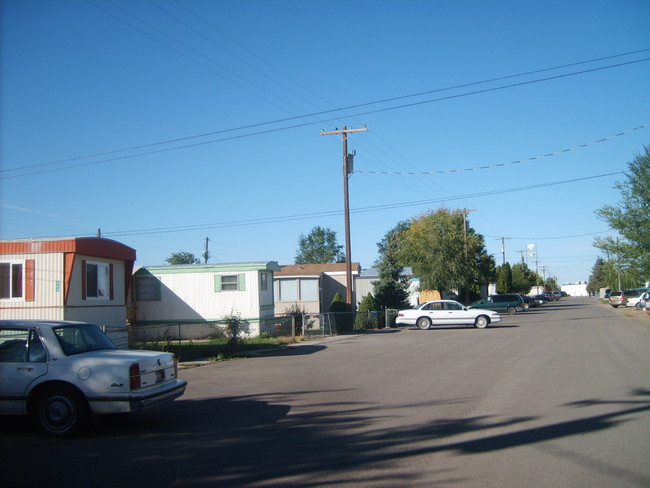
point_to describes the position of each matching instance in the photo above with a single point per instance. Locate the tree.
(182, 257)
(631, 218)
(504, 278)
(340, 316)
(391, 290)
(363, 321)
(443, 255)
(319, 247)
(523, 279)
(602, 276)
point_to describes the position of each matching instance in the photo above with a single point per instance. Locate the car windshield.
(82, 338)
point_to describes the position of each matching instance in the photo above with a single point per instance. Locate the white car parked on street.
(60, 372)
(446, 312)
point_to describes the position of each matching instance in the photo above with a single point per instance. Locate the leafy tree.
(443, 255)
(631, 218)
(182, 257)
(362, 321)
(602, 276)
(319, 247)
(504, 278)
(391, 290)
(523, 279)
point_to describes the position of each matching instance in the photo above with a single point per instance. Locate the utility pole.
(464, 212)
(347, 169)
(503, 247)
(206, 253)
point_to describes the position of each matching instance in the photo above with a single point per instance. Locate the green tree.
(442, 254)
(391, 289)
(182, 257)
(341, 317)
(319, 247)
(504, 278)
(523, 279)
(602, 275)
(631, 219)
(363, 321)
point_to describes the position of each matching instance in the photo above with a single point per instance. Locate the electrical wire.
(287, 119)
(374, 208)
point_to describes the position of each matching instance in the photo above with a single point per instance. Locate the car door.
(22, 359)
(435, 312)
(458, 315)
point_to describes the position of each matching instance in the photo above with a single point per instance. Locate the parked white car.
(446, 312)
(638, 301)
(60, 372)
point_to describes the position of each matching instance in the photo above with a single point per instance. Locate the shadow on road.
(258, 441)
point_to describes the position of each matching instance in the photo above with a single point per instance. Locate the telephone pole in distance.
(347, 169)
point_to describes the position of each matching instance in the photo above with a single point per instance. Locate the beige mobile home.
(82, 278)
(204, 293)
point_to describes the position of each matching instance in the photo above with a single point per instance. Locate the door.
(22, 360)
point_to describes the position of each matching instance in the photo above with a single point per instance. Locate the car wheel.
(512, 310)
(639, 305)
(481, 322)
(424, 323)
(60, 411)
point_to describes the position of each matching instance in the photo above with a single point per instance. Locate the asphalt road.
(554, 397)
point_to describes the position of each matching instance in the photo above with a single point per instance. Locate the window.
(288, 291)
(147, 289)
(293, 290)
(230, 282)
(264, 281)
(309, 290)
(97, 280)
(11, 280)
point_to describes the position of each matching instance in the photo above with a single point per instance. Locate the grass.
(214, 349)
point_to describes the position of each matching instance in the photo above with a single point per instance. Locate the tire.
(512, 310)
(639, 305)
(481, 322)
(60, 411)
(424, 323)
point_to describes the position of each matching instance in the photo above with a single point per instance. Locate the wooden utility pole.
(347, 169)
(465, 212)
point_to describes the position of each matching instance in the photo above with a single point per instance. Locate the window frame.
(12, 280)
(88, 282)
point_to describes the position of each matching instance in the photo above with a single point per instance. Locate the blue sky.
(163, 123)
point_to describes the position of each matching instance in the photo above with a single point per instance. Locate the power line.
(297, 117)
(509, 163)
(331, 213)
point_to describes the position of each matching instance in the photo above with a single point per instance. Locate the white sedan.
(60, 372)
(446, 312)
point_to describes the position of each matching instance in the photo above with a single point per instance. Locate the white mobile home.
(81, 278)
(204, 293)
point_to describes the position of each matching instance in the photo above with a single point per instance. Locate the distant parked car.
(60, 372)
(508, 303)
(541, 299)
(557, 294)
(446, 312)
(617, 298)
(636, 298)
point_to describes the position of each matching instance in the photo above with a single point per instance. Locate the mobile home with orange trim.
(79, 278)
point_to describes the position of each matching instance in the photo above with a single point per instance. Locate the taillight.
(134, 376)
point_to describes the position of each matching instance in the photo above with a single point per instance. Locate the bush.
(340, 316)
(363, 320)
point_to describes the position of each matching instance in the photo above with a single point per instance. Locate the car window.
(82, 338)
(13, 345)
(36, 351)
(452, 306)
